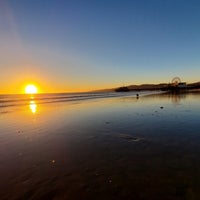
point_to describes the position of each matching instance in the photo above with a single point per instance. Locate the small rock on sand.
(129, 137)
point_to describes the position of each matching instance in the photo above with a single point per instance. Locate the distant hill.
(148, 86)
(135, 88)
(194, 85)
(159, 86)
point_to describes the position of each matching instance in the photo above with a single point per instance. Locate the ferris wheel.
(176, 81)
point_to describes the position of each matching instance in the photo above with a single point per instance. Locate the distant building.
(182, 85)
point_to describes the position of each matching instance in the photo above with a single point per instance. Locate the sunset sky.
(83, 45)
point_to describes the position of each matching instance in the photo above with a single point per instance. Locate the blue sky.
(84, 45)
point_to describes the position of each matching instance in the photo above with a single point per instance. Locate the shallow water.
(102, 148)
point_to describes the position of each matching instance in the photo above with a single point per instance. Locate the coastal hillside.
(159, 86)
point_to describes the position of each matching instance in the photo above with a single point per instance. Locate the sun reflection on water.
(33, 107)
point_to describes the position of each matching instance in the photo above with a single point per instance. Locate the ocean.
(24, 99)
(100, 146)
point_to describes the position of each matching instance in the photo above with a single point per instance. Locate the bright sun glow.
(31, 89)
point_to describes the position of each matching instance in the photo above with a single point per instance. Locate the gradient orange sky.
(71, 46)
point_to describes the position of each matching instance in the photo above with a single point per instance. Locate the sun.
(31, 89)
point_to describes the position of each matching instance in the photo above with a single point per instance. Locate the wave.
(24, 99)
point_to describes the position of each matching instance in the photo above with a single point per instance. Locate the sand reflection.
(33, 106)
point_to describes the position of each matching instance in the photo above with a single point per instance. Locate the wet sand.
(109, 148)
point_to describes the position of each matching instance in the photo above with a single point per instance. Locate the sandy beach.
(102, 148)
